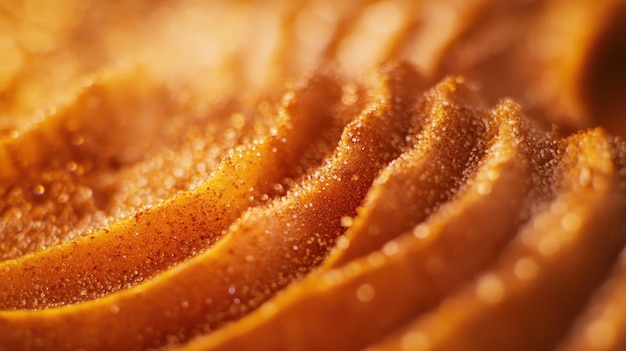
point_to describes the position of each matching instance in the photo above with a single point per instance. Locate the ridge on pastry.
(328, 175)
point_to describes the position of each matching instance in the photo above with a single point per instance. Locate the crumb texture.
(313, 175)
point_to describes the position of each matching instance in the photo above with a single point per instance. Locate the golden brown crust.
(291, 185)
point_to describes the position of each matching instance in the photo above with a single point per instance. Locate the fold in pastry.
(329, 175)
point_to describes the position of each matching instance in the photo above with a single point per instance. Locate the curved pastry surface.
(328, 176)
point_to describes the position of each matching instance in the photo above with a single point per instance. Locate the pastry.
(384, 175)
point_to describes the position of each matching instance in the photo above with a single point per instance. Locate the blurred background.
(563, 60)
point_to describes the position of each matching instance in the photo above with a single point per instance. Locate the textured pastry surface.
(313, 175)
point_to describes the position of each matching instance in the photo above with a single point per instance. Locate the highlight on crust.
(331, 175)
